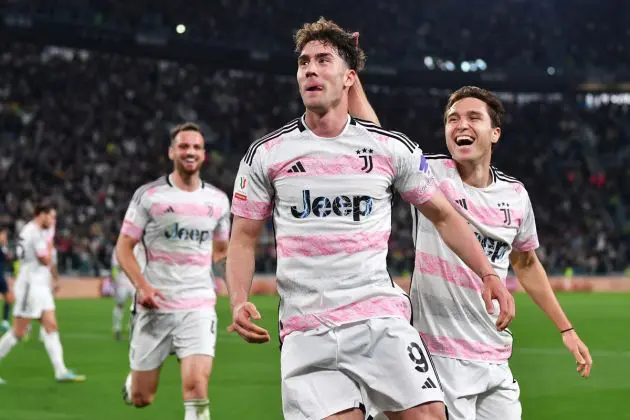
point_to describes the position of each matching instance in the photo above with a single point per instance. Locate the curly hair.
(332, 34)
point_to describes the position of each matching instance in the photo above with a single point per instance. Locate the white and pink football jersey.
(177, 229)
(446, 295)
(331, 201)
(33, 242)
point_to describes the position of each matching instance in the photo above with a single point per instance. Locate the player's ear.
(349, 78)
(496, 135)
(171, 152)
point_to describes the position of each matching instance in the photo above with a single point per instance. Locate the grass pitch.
(245, 381)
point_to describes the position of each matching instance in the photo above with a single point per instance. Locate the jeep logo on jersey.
(343, 205)
(183, 234)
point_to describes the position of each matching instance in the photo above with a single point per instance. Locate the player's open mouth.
(464, 140)
(314, 88)
(190, 160)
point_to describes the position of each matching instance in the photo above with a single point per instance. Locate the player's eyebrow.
(304, 57)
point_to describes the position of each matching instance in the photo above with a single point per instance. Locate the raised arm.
(358, 103)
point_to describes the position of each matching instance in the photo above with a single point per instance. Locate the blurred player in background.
(470, 353)
(123, 288)
(184, 224)
(328, 179)
(33, 293)
(7, 296)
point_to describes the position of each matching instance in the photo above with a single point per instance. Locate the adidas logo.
(297, 168)
(429, 384)
(170, 210)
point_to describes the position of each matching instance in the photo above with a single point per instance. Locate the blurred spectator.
(88, 128)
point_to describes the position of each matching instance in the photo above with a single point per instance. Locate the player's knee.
(19, 333)
(50, 327)
(140, 399)
(195, 387)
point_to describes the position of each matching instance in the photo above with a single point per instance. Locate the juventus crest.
(366, 155)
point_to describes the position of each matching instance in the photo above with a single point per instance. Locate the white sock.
(197, 410)
(55, 353)
(7, 342)
(128, 388)
(117, 318)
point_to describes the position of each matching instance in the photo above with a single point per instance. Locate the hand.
(147, 297)
(580, 352)
(493, 288)
(242, 324)
(355, 36)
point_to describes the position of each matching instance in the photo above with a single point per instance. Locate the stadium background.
(89, 91)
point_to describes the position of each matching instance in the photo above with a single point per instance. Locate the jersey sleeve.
(253, 192)
(414, 179)
(527, 237)
(137, 216)
(222, 230)
(40, 243)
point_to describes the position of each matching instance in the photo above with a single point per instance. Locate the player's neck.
(186, 182)
(475, 174)
(330, 124)
(39, 223)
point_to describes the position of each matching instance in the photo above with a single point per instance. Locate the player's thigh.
(388, 358)
(195, 371)
(501, 401)
(312, 387)
(151, 340)
(195, 333)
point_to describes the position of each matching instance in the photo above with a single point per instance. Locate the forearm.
(240, 272)
(534, 280)
(54, 272)
(358, 104)
(130, 266)
(460, 238)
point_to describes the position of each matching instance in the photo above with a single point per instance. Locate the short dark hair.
(43, 207)
(494, 106)
(332, 34)
(187, 126)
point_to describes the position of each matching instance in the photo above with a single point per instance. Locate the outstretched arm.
(532, 276)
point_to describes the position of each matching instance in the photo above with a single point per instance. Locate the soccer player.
(33, 294)
(124, 290)
(4, 287)
(327, 179)
(183, 223)
(470, 353)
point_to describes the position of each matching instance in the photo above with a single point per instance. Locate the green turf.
(245, 381)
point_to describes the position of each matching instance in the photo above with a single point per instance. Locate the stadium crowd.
(86, 129)
(413, 29)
